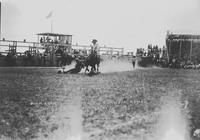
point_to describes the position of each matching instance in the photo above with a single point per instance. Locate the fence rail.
(8, 45)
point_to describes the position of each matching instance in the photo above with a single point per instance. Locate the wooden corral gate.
(185, 48)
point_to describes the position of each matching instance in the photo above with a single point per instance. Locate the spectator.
(41, 40)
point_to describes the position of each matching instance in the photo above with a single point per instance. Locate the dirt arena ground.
(38, 103)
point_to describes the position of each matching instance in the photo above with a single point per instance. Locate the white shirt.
(95, 47)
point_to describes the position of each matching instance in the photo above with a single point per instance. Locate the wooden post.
(180, 49)
(169, 50)
(191, 51)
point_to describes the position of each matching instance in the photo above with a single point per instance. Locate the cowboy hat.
(94, 41)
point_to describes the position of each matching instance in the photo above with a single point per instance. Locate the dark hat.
(94, 41)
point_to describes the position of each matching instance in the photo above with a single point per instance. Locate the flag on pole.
(49, 15)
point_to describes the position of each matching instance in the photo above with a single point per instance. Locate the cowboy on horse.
(94, 47)
(93, 59)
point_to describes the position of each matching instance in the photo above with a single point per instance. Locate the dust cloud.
(109, 66)
(173, 124)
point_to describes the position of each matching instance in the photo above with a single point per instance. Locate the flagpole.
(51, 25)
(0, 20)
(49, 16)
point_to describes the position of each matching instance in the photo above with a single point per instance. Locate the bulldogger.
(78, 67)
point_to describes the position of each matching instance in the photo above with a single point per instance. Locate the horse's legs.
(97, 67)
(86, 69)
(93, 68)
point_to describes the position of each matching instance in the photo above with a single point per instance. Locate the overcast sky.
(115, 23)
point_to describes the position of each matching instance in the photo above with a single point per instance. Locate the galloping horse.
(92, 60)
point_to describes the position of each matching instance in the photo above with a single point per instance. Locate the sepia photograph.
(99, 70)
